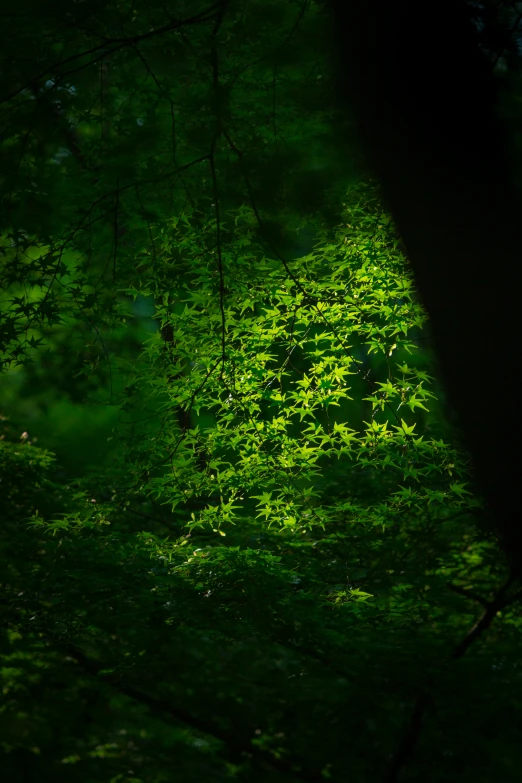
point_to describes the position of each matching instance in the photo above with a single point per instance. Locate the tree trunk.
(424, 99)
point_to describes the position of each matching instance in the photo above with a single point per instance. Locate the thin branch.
(215, 189)
(116, 208)
(469, 594)
(204, 16)
(424, 701)
(510, 33)
(411, 737)
(237, 747)
(492, 608)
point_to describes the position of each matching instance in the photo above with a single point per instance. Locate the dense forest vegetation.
(243, 535)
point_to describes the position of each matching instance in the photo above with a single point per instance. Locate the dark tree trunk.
(424, 99)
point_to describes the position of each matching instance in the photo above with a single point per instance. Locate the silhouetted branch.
(102, 48)
(407, 747)
(237, 747)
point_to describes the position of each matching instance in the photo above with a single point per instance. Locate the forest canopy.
(242, 539)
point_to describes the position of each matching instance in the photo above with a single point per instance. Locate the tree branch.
(204, 16)
(424, 700)
(237, 747)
